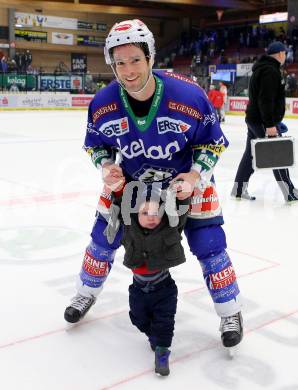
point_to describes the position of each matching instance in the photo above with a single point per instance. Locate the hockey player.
(164, 128)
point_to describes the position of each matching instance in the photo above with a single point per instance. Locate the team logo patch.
(165, 124)
(116, 128)
(141, 122)
(123, 27)
(104, 110)
(188, 110)
(91, 128)
(94, 266)
(222, 278)
(150, 173)
(209, 118)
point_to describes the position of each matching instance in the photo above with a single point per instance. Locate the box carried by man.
(273, 153)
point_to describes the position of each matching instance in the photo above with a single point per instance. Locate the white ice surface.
(49, 191)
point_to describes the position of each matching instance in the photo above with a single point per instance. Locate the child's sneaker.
(162, 360)
(78, 308)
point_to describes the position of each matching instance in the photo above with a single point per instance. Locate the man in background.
(264, 113)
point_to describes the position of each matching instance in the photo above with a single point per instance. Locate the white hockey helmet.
(129, 31)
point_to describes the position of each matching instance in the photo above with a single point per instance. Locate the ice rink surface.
(49, 192)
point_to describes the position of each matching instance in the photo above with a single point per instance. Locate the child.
(151, 247)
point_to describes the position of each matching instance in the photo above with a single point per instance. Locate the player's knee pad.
(97, 263)
(207, 241)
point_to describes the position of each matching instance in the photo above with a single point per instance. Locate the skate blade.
(71, 326)
(232, 351)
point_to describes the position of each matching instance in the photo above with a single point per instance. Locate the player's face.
(148, 215)
(131, 66)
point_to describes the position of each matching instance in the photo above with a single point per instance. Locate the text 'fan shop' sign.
(78, 63)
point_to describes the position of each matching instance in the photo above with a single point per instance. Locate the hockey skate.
(162, 361)
(78, 308)
(231, 329)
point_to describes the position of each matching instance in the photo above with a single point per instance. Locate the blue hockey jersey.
(181, 131)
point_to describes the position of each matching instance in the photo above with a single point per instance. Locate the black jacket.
(266, 93)
(158, 248)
